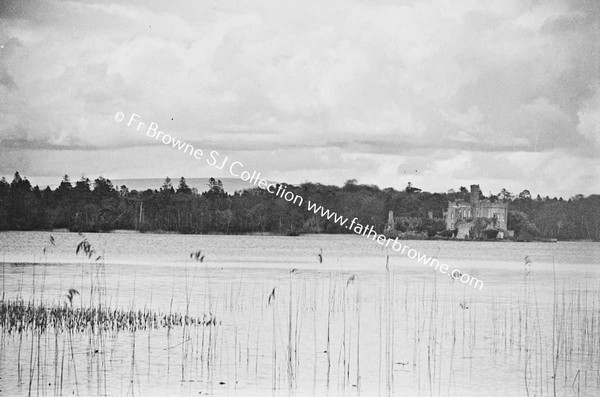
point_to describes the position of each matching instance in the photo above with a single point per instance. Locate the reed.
(425, 335)
(20, 316)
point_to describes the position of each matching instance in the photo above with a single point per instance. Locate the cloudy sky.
(439, 93)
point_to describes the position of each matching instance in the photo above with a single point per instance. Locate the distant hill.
(230, 185)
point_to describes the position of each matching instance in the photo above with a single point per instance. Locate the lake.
(286, 323)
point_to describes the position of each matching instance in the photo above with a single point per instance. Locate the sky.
(439, 93)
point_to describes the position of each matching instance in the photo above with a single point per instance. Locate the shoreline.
(296, 234)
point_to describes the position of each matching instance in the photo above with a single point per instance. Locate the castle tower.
(475, 213)
(474, 194)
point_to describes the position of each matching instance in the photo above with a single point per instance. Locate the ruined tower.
(474, 194)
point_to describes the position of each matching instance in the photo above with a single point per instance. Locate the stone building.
(461, 214)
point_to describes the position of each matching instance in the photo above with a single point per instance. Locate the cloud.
(346, 88)
(589, 119)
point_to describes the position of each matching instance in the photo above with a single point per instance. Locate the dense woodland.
(99, 206)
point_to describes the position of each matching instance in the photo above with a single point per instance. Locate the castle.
(462, 215)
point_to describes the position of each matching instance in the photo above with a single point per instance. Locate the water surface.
(346, 326)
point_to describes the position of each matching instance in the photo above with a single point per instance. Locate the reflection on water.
(286, 323)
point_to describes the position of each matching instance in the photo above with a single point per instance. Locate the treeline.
(87, 206)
